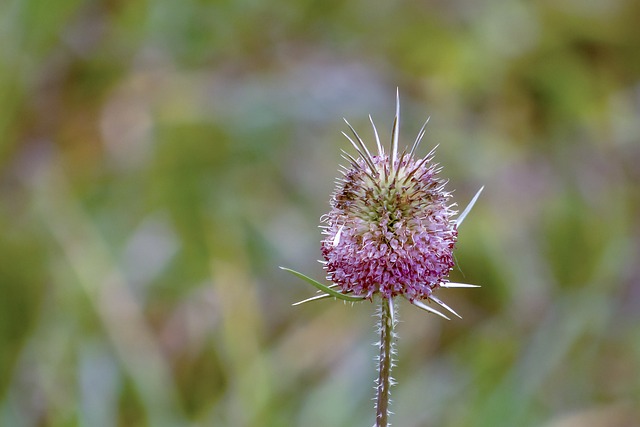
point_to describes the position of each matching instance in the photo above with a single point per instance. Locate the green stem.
(385, 362)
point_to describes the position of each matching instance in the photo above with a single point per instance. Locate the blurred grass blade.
(322, 287)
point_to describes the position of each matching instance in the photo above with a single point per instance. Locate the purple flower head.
(390, 230)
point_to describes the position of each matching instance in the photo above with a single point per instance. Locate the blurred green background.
(159, 159)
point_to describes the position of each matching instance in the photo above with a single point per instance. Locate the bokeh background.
(160, 159)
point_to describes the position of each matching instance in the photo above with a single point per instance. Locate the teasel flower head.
(391, 229)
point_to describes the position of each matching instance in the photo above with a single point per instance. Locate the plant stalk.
(385, 362)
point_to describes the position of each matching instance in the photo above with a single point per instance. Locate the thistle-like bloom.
(390, 230)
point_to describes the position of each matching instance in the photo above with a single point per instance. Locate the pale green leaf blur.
(160, 159)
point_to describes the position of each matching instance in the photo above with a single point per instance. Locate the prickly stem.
(385, 362)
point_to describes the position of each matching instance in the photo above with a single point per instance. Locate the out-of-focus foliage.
(159, 159)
